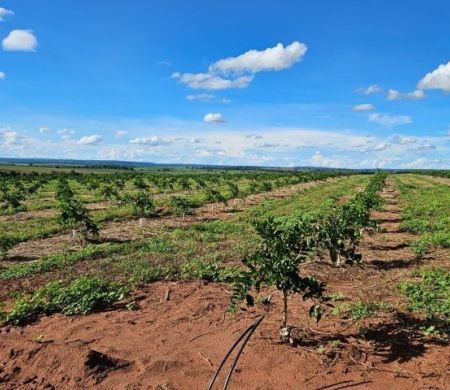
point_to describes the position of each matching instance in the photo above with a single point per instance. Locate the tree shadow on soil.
(394, 264)
(398, 340)
(21, 259)
(402, 339)
(388, 247)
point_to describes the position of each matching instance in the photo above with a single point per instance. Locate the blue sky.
(327, 83)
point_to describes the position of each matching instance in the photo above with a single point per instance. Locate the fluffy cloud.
(203, 97)
(5, 13)
(253, 61)
(120, 133)
(238, 72)
(389, 120)
(93, 139)
(207, 97)
(426, 145)
(2, 75)
(43, 130)
(380, 147)
(268, 145)
(254, 136)
(437, 79)
(363, 107)
(318, 160)
(65, 134)
(211, 81)
(415, 164)
(402, 140)
(152, 141)
(396, 95)
(213, 117)
(20, 40)
(371, 89)
(10, 138)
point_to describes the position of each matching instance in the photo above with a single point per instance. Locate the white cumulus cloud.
(363, 107)
(10, 138)
(437, 79)
(93, 139)
(120, 133)
(206, 97)
(238, 72)
(151, 141)
(371, 89)
(213, 117)
(389, 120)
(20, 40)
(5, 13)
(274, 58)
(393, 94)
(402, 140)
(2, 75)
(380, 147)
(65, 133)
(211, 81)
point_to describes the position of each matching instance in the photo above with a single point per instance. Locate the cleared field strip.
(426, 211)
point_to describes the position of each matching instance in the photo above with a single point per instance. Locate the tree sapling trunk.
(285, 331)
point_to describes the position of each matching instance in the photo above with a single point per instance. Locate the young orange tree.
(285, 244)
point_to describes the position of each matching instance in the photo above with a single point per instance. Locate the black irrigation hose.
(246, 336)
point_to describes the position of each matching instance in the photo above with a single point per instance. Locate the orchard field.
(143, 279)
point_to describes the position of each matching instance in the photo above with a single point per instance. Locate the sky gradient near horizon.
(354, 84)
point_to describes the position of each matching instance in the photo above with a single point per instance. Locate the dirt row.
(183, 329)
(129, 229)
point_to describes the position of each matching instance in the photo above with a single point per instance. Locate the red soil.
(177, 344)
(181, 331)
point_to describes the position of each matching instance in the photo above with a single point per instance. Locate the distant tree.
(73, 214)
(184, 184)
(266, 186)
(64, 190)
(181, 206)
(139, 183)
(234, 191)
(93, 184)
(214, 196)
(109, 192)
(12, 198)
(6, 243)
(142, 204)
(253, 187)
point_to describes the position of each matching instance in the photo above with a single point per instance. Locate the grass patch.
(81, 296)
(430, 293)
(426, 212)
(359, 310)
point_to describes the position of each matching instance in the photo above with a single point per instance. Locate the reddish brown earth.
(175, 340)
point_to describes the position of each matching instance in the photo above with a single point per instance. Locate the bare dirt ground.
(129, 229)
(182, 330)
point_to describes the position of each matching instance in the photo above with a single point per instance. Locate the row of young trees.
(288, 242)
(15, 187)
(14, 193)
(73, 213)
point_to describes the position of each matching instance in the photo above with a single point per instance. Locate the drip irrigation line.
(244, 336)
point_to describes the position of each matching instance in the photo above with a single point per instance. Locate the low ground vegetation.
(314, 243)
